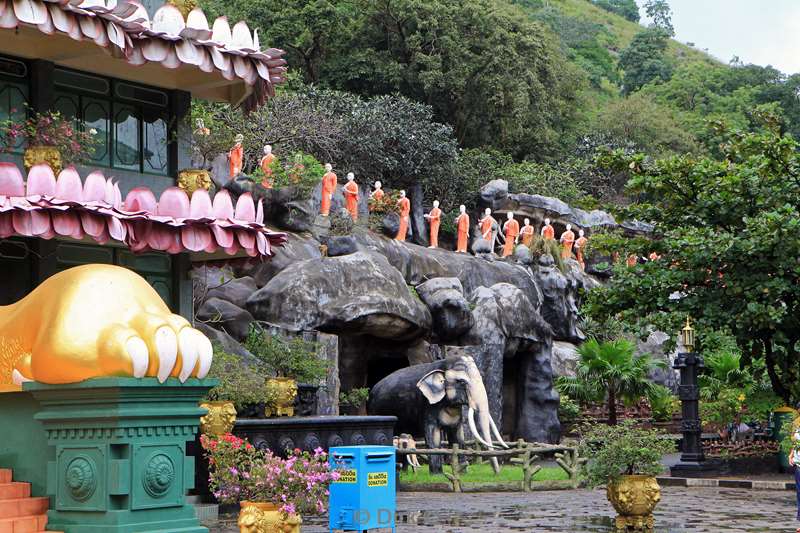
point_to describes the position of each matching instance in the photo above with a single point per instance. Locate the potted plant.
(49, 138)
(272, 492)
(241, 384)
(351, 402)
(626, 460)
(290, 361)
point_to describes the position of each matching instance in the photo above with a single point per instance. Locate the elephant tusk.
(474, 430)
(497, 432)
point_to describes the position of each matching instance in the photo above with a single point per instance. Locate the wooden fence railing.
(525, 454)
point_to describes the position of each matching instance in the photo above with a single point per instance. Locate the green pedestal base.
(116, 453)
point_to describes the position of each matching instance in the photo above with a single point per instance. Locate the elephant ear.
(432, 386)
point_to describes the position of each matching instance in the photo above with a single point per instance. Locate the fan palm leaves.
(611, 371)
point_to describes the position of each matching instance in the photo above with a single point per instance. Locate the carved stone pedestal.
(116, 457)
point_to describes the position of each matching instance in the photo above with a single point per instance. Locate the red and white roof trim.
(47, 207)
(125, 26)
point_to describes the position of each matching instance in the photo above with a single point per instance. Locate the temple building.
(128, 73)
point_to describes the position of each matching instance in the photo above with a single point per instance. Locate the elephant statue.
(430, 398)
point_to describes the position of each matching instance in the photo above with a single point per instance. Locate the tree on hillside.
(661, 15)
(645, 60)
(624, 8)
(727, 231)
(485, 67)
(638, 123)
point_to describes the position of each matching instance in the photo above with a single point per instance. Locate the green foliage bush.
(293, 358)
(354, 397)
(663, 403)
(540, 246)
(624, 8)
(616, 451)
(301, 171)
(568, 409)
(243, 383)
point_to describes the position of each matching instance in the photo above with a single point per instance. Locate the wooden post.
(571, 463)
(454, 478)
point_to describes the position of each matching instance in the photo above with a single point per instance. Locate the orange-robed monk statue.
(435, 218)
(567, 240)
(351, 196)
(462, 229)
(378, 193)
(236, 156)
(405, 210)
(266, 167)
(547, 230)
(487, 224)
(328, 188)
(511, 227)
(580, 246)
(526, 233)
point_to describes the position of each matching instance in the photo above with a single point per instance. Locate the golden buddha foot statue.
(94, 321)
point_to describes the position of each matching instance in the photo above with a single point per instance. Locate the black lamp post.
(693, 461)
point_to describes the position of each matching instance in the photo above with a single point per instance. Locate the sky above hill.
(764, 32)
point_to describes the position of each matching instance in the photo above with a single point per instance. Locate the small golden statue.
(266, 518)
(219, 420)
(284, 391)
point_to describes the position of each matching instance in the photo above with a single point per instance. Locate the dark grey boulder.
(481, 246)
(360, 294)
(449, 308)
(523, 255)
(226, 316)
(560, 299)
(235, 291)
(494, 191)
(341, 245)
(225, 342)
(297, 248)
(390, 224)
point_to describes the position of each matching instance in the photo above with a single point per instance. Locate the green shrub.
(663, 403)
(301, 171)
(568, 409)
(239, 382)
(354, 397)
(540, 246)
(616, 451)
(293, 358)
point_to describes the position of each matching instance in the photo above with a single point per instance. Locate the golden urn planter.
(634, 498)
(284, 390)
(257, 517)
(42, 154)
(193, 179)
(220, 418)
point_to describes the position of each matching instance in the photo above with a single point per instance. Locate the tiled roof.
(125, 27)
(47, 207)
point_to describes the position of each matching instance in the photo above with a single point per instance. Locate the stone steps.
(19, 512)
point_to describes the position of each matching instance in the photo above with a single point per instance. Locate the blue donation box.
(364, 495)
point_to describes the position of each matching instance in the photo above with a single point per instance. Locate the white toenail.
(138, 352)
(17, 378)
(167, 350)
(206, 353)
(187, 342)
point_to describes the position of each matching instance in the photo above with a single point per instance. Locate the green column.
(117, 453)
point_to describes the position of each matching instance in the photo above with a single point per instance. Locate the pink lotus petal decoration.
(46, 207)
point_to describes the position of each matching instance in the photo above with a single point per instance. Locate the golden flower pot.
(284, 390)
(634, 498)
(42, 154)
(193, 179)
(255, 517)
(220, 418)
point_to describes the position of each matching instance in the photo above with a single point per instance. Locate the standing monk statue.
(567, 240)
(580, 246)
(351, 196)
(487, 225)
(526, 233)
(547, 231)
(405, 210)
(378, 193)
(236, 155)
(266, 167)
(462, 229)
(511, 227)
(328, 188)
(435, 218)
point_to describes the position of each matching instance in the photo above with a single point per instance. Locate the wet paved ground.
(681, 510)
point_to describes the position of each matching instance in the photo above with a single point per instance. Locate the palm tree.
(611, 371)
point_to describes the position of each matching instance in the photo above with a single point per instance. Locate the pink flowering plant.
(49, 129)
(239, 472)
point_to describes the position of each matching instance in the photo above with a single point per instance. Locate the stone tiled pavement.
(681, 510)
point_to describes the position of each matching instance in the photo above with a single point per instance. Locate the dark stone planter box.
(735, 466)
(308, 433)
